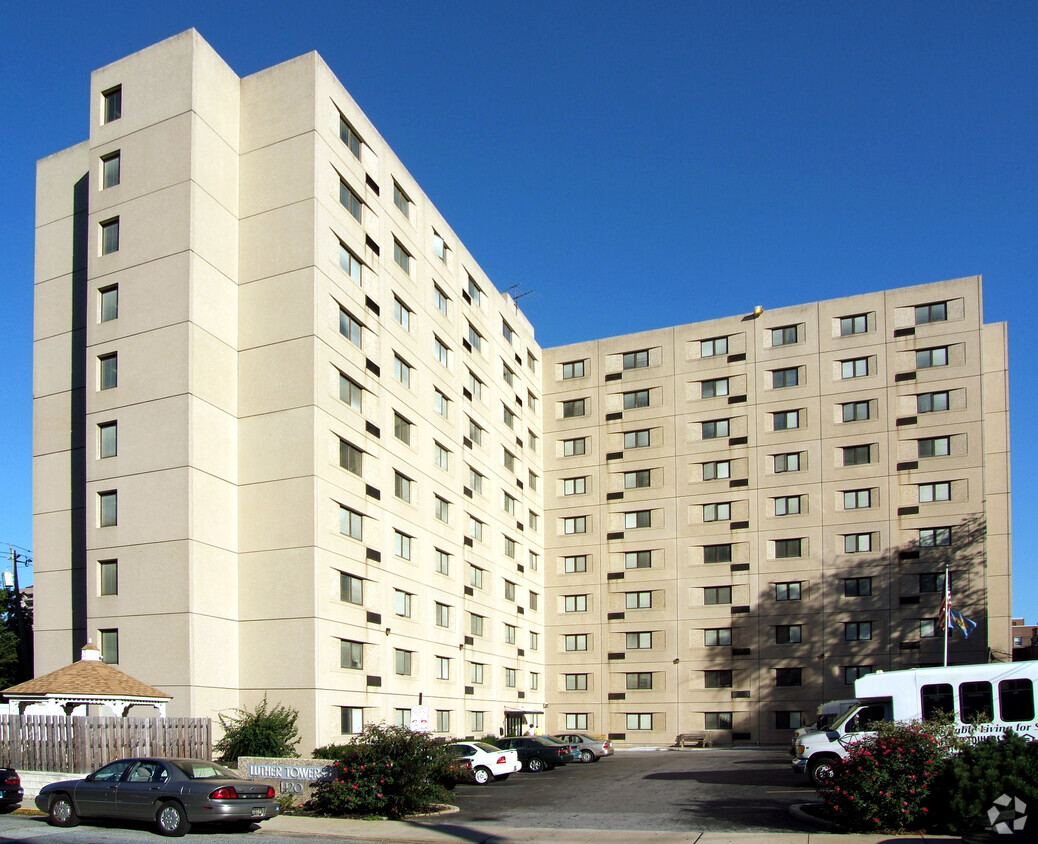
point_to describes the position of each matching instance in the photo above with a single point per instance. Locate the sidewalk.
(403, 831)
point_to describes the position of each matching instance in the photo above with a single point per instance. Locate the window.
(717, 720)
(788, 634)
(721, 512)
(350, 392)
(531, 363)
(443, 562)
(784, 336)
(788, 720)
(638, 519)
(857, 543)
(108, 509)
(509, 590)
(110, 165)
(713, 347)
(476, 670)
(573, 369)
(574, 524)
(440, 299)
(112, 104)
(575, 641)
(402, 717)
(510, 678)
(109, 646)
(975, 703)
(349, 200)
(717, 637)
(574, 563)
(576, 407)
(786, 419)
(1016, 700)
(853, 672)
(789, 462)
(348, 136)
(785, 377)
(441, 509)
(788, 548)
(576, 721)
(403, 661)
(857, 455)
(934, 447)
(351, 458)
(476, 341)
(637, 559)
(402, 370)
(401, 200)
(855, 368)
(575, 603)
(508, 459)
(402, 486)
(350, 327)
(935, 312)
(717, 595)
(857, 499)
(928, 628)
(351, 523)
(939, 537)
(351, 589)
(534, 442)
(636, 398)
(717, 678)
(711, 388)
(507, 332)
(717, 553)
(636, 439)
(439, 248)
(402, 428)
(855, 411)
(789, 676)
(638, 479)
(535, 563)
(402, 603)
(401, 256)
(351, 720)
(476, 624)
(441, 404)
(442, 352)
(443, 718)
(476, 480)
(925, 358)
(108, 371)
(639, 720)
(476, 528)
(107, 439)
(574, 486)
(349, 263)
(931, 582)
(787, 505)
(476, 432)
(638, 641)
(717, 470)
(574, 447)
(636, 360)
(532, 401)
(857, 324)
(534, 519)
(109, 303)
(402, 544)
(576, 682)
(857, 631)
(477, 720)
(940, 491)
(508, 417)
(351, 654)
(788, 591)
(108, 577)
(857, 587)
(442, 615)
(638, 600)
(932, 402)
(441, 456)
(535, 645)
(507, 374)
(474, 291)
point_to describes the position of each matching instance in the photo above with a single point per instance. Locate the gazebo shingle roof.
(86, 677)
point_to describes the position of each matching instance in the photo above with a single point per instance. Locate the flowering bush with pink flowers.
(885, 783)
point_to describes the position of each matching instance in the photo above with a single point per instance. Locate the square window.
(715, 428)
(440, 299)
(476, 432)
(509, 590)
(576, 682)
(855, 411)
(401, 200)
(401, 256)
(639, 479)
(574, 563)
(857, 587)
(854, 672)
(574, 603)
(109, 303)
(349, 263)
(637, 559)
(785, 720)
(576, 721)
(351, 523)
(443, 717)
(932, 402)
(442, 352)
(721, 512)
(785, 677)
(110, 236)
(112, 104)
(110, 167)
(788, 548)
(442, 615)
(402, 486)
(351, 392)
(788, 634)
(574, 486)
(931, 582)
(575, 641)
(717, 637)
(351, 654)
(507, 332)
(476, 480)
(789, 462)
(443, 562)
(636, 360)
(350, 327)
(109, 646)
(476, 341)
(507, 374)
(940, 491)
(573, 369)
(574, 524)
(441, 456)
(934, 312)
(857, 499)
(856, 368)
(638, 600)
(939, 537)
(108, 576)
(638, 519)
(788, 591)
(717, 678)
(636, 398)
(574, 447)
(639, 641)
(934, 446)
(349, 200)
(785, 377)
(717, 720)
(926, 358)
(402, 603)
(639, 720)
(713, 347)
(508, 459)
(441, 404)
(351, 720)
(784, 336)
(403, 660)
(108, 509)
(476, 528)
(107, 439)
(636, 439)
(857, 631)
(349, 136)
(787, 505)
(857, 455)
(712, 388)
(717, 595)
(476, 672)
(717, 553)
(857, 324)
(351, 589)
(717, 470)
(402, 428)
(575, 407)
(402, 544)
(785, 420)
(857, 543)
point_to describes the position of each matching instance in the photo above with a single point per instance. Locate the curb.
(797, 810)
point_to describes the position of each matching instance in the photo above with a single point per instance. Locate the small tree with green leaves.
(264, 732)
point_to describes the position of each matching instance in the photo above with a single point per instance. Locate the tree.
(264, 732)
(15, 661)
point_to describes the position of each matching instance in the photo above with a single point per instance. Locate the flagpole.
(947, 614)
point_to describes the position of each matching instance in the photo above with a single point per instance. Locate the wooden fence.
(84, 743)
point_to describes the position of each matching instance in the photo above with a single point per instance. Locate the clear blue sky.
(678, 160)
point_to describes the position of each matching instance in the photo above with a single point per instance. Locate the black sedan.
(536, 753)
(10, 789)
(172, 793)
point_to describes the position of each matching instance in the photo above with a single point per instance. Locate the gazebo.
(88, 682)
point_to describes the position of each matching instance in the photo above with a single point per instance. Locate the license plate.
(259, 812)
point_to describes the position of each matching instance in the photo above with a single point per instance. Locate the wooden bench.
(691, 739)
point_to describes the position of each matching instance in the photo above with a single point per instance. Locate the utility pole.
(24, 672)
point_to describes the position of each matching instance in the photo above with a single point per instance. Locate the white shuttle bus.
(984, 700)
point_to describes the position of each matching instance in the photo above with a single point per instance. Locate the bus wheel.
(822, 769)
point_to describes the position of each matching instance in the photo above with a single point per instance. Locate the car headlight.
(800, 750)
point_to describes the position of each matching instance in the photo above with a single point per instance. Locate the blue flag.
(960, 622)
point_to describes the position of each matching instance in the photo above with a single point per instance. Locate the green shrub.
(265, 732)
(885, 782)
(389, 771)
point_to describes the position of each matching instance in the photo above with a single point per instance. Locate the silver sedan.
(172, 793)
(590, 749)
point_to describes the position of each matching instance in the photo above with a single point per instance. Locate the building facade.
(290, 441)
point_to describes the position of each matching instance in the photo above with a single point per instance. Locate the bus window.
(937, 698)
(1016, 700)
(975, 704)
(865, 717)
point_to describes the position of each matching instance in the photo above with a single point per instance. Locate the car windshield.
(198, 769)
(486, 748)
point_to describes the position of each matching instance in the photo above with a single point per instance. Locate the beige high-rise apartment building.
(290, 441)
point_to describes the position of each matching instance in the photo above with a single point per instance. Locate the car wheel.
(501, 777)
(822, 770)
(481, 775)
(535, 765)
(172, 820)
(61, 811)
(587, 756)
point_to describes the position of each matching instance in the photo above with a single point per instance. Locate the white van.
(985, 700)
(827, 713)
